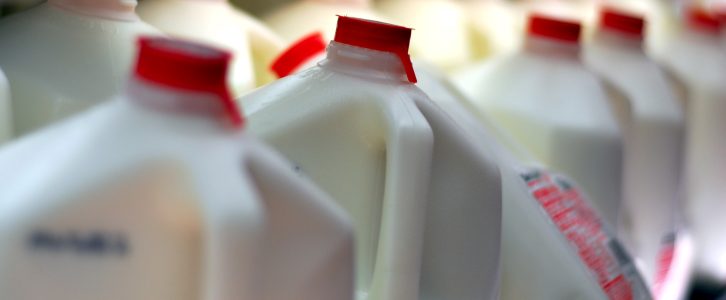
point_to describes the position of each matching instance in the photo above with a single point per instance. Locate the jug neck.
(108, 9)
(610, 38)
(351, 3)
(185, 106)
(552, 48)
(362, 62)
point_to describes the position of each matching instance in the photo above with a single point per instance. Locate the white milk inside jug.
(524, 227)
(169, 199)
(6, 113)
(424, 198)
(443, 31)
(652, 134)
(697, 58)
(219, 23)
(552, 105)
(301, 17)
(64, 56)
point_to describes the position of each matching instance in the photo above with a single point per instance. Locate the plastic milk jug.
(6, 113)
(299, 18)
(426, 202)
(63, 56)
(652, 135)
(548, 225)
(697, 58)
(551, 104)
(524, 226)
(169, 199)
(219, 23)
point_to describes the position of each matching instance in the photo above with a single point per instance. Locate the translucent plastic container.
(64, 56)
(524, 225)
(697, 59)
(426, 201)
(160, 194)
(545, 98)
(219, 23)
(653, 136)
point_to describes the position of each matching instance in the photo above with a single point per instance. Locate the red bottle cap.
(554, 28)
(187, 66)
(298, 53)
(377, 36)
(699, 18)
(622, 22)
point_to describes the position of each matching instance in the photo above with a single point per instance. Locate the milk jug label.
(138, 234)
(567, 208)
(96, 242)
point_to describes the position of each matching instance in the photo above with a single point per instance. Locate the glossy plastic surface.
(426, 202)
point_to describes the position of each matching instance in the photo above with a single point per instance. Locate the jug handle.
(308, 250)
(398, 260)
(485, 247)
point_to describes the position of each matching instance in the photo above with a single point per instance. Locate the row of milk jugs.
(389, 183)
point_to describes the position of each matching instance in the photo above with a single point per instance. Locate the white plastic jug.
(552, 105)
(219, 23)
(443, 33)
(548, 226)
(299, 18)
(653, 138)
(697, 58)
(63, 56)
(426, 201)
(168, 199)
(524, 226)
(6, 114)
